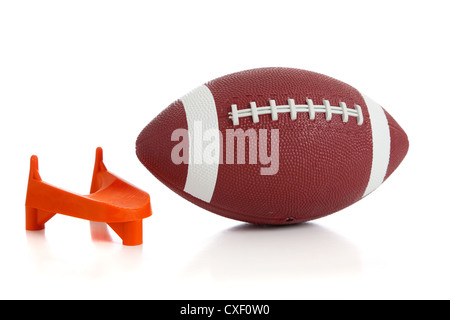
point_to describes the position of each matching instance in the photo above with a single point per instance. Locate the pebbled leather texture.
(324, 166)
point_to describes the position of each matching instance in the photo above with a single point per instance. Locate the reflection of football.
(273, 145)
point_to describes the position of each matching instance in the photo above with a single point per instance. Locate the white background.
(75, 75)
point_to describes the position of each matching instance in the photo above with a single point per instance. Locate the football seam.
(293, 109)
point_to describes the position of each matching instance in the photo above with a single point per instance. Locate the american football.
(273, 146)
